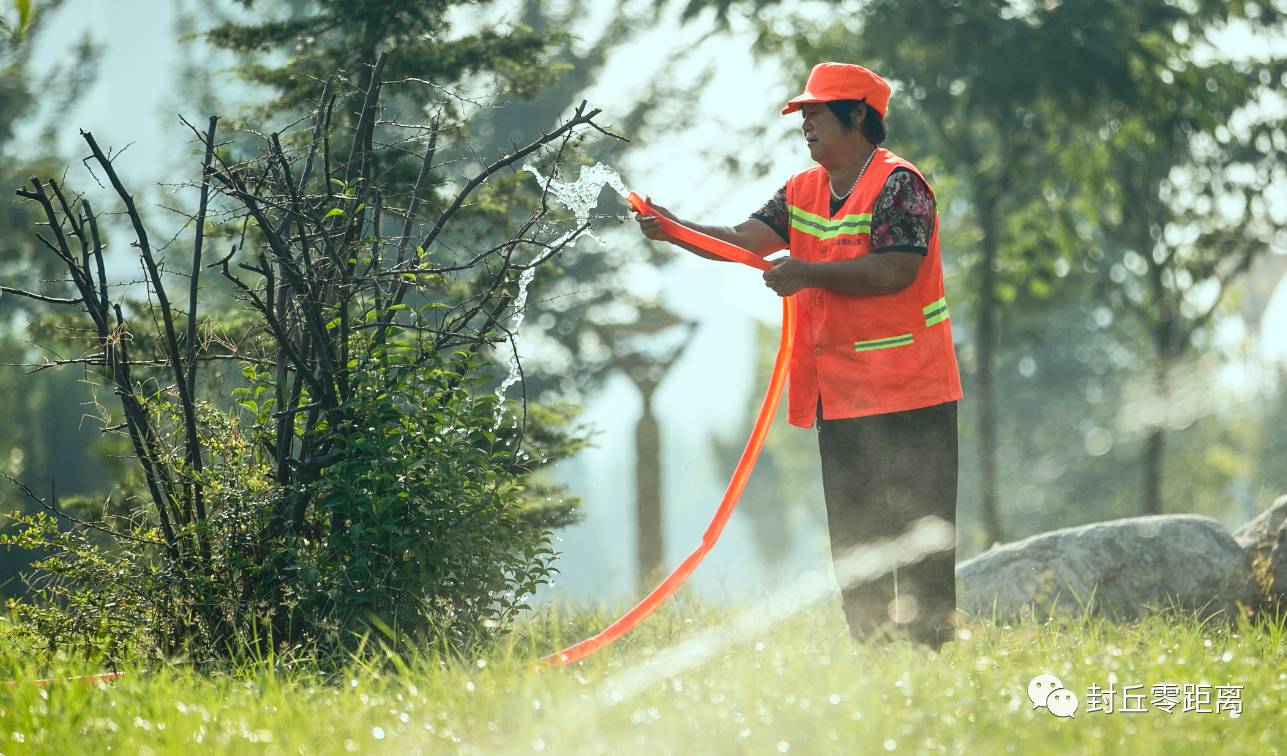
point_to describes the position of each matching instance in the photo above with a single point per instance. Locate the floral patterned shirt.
(902, 220)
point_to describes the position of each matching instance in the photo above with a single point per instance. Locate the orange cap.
(842, 81)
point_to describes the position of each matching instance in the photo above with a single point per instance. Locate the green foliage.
(437, 544)
(86, 596)
(434, 543)
(340, 35)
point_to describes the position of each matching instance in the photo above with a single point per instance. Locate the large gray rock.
(1115, 569)
(1259, 534)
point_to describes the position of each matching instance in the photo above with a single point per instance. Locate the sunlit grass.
(799, 687)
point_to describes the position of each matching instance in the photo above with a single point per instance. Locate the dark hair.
(873, 126)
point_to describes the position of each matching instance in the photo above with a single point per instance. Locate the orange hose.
(728, 251)
(768, 408)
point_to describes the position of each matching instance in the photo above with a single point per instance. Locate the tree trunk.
(648, 494)
(1154, 448)
(1153, 473)
(987, 304)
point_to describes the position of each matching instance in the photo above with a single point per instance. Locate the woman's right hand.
(650, 226)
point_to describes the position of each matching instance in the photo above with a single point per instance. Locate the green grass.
(691, 680)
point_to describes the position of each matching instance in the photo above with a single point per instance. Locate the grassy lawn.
(692, 680)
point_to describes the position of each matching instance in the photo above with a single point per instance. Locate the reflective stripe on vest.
(935, 312)
(889, 343)
(828, 228)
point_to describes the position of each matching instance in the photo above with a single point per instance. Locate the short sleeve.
(774, 213)
(903, 218)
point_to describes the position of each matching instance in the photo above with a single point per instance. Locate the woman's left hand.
(788, 275)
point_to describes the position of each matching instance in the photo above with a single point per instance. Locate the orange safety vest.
(864, 354)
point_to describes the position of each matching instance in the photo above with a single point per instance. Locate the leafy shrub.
(360, 478)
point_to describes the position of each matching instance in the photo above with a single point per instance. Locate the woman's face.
(826, 137)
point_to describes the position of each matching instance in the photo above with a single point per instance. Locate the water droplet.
(377, 733)
(582, 195)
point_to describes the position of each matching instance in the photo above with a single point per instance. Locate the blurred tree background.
(40, 419)
(1105, 179)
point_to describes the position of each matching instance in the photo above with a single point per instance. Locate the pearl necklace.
(861, 171)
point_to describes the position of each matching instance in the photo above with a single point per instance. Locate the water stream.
(580, 197)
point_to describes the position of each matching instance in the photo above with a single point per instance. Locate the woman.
(873, 365)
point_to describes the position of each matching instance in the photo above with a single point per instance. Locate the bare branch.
(196, 263)
(185, 397)
(361, 148)
(53, 508)
(38, 297)
(414, 204)
(104, 359)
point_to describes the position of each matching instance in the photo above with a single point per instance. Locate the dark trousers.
(880, 475)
